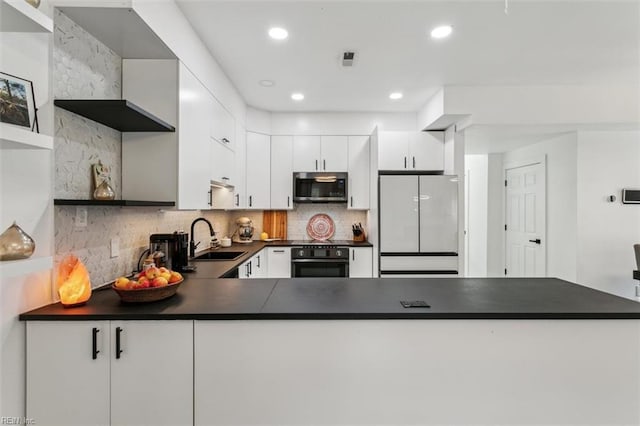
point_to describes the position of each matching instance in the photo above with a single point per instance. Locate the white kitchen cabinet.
(281, 172)
(240, 169)
(358, 186)
(222, 163)
(258, 171)
(222, 125)
(360, 262)
(279, 261)
(320, 153)
(256, 267)
(137, 372)
(411, 151)
(181, 161)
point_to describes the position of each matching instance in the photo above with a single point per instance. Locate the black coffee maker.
(170, 250)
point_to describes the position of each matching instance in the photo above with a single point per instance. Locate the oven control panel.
(320, 252)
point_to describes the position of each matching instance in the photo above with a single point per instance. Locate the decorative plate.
(321, 227)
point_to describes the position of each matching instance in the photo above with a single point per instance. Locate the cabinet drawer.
(419, 264)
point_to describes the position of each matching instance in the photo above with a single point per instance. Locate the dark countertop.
(360, 298)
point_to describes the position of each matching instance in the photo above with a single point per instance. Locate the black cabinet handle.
(405, 162)
(210, 202)
(225, 140)
(118, 350)
(246, 267)
(316, 164)
(250, 269)
(351, 200)
(250, 200)
(537, 241)
(288, 200)
(324, 164)
(353, 254)
(414, 162)
(258, 262)
(237, 200)
(278, 251)
(225, 178)
(94, 350)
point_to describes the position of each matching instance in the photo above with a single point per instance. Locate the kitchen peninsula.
(342, 351)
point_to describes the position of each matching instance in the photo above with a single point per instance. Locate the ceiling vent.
(347, 59)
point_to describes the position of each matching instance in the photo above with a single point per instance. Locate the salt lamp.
(74, 286)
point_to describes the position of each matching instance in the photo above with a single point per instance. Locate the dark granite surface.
(360, 298)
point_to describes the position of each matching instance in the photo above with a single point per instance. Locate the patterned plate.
(321, 227)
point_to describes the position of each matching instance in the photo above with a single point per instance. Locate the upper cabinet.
(411, 151)
(320, 153)
(223, 125)
(258, 171)
(282, 172)
(358, 186)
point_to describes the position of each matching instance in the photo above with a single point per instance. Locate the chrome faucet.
(192, 244)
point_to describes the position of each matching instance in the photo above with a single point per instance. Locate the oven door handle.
(325, 260)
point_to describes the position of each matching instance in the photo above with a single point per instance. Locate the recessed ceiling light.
(278, 33)
(441, 31)
(297, 96)
(395, 96)
(267, 83)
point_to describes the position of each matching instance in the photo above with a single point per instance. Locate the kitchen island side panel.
(417, 372)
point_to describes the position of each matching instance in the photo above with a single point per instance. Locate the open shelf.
(13, 268)
(13, 137)
(121, 203)
(119, 114)
(18, 16)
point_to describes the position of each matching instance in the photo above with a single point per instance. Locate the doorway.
(525, 219)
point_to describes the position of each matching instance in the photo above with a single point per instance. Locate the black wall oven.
(319, 261)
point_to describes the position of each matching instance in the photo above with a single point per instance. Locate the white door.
(426, 151)
(334, 153)
(279, 262)
(152, 380)
(281, 172)
(399, 228)
(525, 221)
(359, 178)
(438, 214)
(306, 153)
(393, 150)
(361, 262)
(65, 384)
(195, 143)
(258, 171)
(260, 265)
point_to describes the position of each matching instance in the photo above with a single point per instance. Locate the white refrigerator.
(418, 225)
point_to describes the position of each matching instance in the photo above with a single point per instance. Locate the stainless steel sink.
(219, 255)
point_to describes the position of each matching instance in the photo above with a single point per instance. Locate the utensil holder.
(359, 238)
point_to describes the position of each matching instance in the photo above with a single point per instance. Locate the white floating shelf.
(20, 17)
(13, 137)
(14, 268)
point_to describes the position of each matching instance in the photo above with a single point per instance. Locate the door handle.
(405, 162)
(537, 241)
(324, 164)
(250, 201)
(288, 200)
(210, 202)
(94, 349)
(351, 200)
(237, 200)
(316, 164)
(118, 349)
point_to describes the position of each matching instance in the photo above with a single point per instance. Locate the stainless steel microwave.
(320, 187)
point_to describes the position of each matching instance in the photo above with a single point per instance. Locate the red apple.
(160, 282)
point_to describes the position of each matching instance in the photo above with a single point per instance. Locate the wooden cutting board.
(274, 223)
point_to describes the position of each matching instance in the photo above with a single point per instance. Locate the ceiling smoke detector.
(347, 59)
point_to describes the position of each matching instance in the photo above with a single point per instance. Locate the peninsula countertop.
(354, 299)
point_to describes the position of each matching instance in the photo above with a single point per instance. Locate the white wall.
(476, 201)
(607, 163)
(339, 123)
(561, 200)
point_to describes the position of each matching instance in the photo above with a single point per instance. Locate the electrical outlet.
(81, 217)
(115, 247)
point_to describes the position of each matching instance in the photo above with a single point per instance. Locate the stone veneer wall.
(84, 68)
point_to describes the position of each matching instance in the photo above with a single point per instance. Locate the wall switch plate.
(115, 247)
(81, 217)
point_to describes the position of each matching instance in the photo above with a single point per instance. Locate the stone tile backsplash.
(298, 218)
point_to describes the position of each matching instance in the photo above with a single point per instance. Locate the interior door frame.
(531, 161)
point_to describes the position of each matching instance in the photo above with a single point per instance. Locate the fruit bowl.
(150, 294)
(148, 286)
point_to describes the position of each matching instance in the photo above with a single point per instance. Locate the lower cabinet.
(279, 262)
(361, 262)
(256, 267)
(110, 372)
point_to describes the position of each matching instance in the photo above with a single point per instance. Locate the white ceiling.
(537, 42)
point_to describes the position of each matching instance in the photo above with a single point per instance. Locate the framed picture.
(17, 102)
